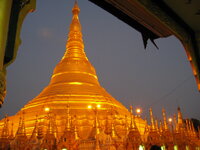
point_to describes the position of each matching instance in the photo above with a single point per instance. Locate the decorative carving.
(165, 18)
(2, 86)
(24, 2)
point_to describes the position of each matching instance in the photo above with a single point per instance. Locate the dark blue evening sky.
(144, 78)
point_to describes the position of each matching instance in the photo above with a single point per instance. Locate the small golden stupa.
(74, 85)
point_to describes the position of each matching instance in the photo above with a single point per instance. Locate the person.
(155, 147)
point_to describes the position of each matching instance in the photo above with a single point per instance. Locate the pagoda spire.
(152, 119)
(51, 125)
(164, 119)
(132, 124)
(156, 125)
(187, 124)
(175, 123)
(40, 130)
(96, 128)
(35, 131)
(160, 127)
(75, 45)
(192, 128)
(180, 118)
(21, 131)
(180, 124)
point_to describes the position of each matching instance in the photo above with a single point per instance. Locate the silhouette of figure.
(155, 147)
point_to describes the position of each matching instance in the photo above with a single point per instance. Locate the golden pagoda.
(75, 113)
(74, 83)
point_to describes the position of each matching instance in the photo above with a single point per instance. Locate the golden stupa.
(74, 84)
(75, 113)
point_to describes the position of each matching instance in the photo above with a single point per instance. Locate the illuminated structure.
(74, 82)
(75, 113)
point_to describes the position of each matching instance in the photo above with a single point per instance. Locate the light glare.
(98, 106)
(141, 147)
(170, 119)
(89, 107)
(46, 109)
(138, 110)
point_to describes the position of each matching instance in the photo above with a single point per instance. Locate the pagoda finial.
(164, 119)
(192, 126)
(75, 9)
(51, 125)
(160, 127)
(21, 131)
(132, 125)
(152, 119)
(75, 45)
(180, 118)
(156, 125)
(175, 123)
(187, 125)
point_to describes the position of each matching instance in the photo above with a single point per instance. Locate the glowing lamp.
(141, 147)
(138, 110)
(163, 148)
(175, 147)
(170, 120)
(47, 109)
(89, 107)
(98, 106)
